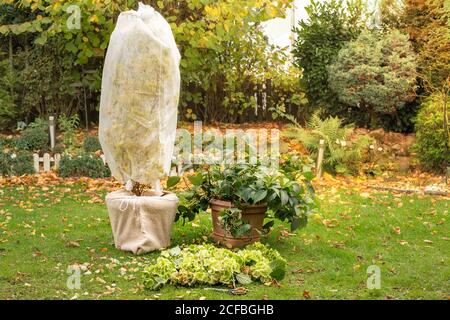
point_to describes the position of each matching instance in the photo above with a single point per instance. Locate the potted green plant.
(246, 198)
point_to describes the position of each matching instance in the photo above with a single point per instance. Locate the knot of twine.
(123, 206)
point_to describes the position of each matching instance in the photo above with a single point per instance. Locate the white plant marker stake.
(51, 121)
(36, 162)
(320, 158)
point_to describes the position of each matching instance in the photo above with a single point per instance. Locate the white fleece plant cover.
(139, 99)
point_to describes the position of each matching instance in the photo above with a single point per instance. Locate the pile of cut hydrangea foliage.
(209, 265)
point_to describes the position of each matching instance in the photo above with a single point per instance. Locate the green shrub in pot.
(289, 197)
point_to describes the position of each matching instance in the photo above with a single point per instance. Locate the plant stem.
(138, 188)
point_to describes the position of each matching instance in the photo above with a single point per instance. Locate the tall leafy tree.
(389, 14)
(433, 44)
(329, 26)
(375, 73)
(226, 59)
(427, 22)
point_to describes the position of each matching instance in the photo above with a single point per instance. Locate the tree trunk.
(373, 118)
(11, 66)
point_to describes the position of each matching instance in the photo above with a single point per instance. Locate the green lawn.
(44, 230)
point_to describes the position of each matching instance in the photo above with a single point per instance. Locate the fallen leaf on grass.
(298, 271)
(306, 294)
(37, 253)
(276, 283)
(98, 279)
(286, 233)
(73, 244)
(330, 223)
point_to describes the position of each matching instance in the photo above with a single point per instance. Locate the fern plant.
(342, 154)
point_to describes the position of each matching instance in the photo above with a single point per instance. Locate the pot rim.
(231, 205)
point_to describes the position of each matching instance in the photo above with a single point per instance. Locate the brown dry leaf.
(396, 230)
(330, 223)
(298, 271)
(73, 244)
(100, 280)
(239, 291)
(37, 253)
(286, 233)
(306, 294)
(276, 283)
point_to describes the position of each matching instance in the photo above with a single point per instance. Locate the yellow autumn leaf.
(212, 11)
(93, 18)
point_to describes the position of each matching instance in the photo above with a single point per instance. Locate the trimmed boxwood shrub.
(431, 139)
(33, 139)
(16, 163)
(91, 144)
(22, 163)
(83, 165)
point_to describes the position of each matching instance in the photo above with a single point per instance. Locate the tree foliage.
(427, 22)
(375, 73)
(432, 132)
(226, 59)
(434, 45)
(8, 112)
(329, 26)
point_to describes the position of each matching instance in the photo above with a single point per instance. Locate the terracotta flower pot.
(252, 214)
